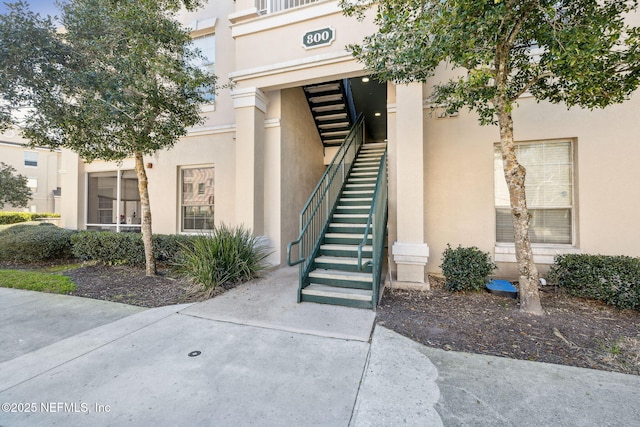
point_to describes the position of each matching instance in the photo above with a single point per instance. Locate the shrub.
(35, 243)
(167, 247)
(113, 248)
(228, 255)
(109, 247)
(16, 217)
(466, 268)
(612, 279)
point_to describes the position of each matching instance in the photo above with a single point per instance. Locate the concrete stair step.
(360, 218)
(342, 279)
(344, 261)
(346, 238)
(334, 249)
(360, 294)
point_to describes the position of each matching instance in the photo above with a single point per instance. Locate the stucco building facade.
(259, 155)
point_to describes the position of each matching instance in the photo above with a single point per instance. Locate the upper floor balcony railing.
(272, 6)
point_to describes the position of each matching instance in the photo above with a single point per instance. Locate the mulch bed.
(573, 331)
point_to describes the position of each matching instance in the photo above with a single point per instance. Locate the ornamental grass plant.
(228, 255)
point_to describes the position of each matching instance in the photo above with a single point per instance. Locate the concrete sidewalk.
(253, 356)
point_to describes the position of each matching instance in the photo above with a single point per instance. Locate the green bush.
(466, 269)
(109, 247)
(16, 217)
(228, 255)
(167, 247)
(35, 243)
(612, 279)
(113, 248)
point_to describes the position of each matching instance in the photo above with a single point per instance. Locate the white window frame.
(544, 253)
(181, 229)
(32, 155)
(210, 63)
(119, 225)
(34, 188)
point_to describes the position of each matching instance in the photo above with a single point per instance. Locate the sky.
(43, 7)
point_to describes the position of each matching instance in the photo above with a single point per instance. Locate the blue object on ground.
(502, 288)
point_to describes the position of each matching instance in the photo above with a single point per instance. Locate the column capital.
(249, 97)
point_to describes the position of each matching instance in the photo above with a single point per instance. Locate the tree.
(122, 84)
(13, 187)
(580, 52)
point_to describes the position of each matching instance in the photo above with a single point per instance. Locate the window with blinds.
(549, 188)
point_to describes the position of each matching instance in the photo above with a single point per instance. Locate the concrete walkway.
(253, 356)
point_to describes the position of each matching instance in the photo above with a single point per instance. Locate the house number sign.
(318, 38)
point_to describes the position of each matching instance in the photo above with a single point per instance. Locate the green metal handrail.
(317, 211)
(377, 226)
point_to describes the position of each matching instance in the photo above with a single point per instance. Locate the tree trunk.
(147, 235)
(514, 174)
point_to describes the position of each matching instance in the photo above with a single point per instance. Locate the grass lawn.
(36, 281)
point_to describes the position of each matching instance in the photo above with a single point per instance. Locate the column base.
(411, 260)
(409, 286)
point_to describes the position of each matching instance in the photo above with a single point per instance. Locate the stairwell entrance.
(343, 225)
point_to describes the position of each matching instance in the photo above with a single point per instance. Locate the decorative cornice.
(249, 97)
(211, 130)
(294, 65)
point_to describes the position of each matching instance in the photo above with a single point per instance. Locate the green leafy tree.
(579, 52)
(13, 187)
(122, 82)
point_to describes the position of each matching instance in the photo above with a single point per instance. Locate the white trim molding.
(210, 130)
(294, 65)
(410, 253)
(541, 254)
(249, 97)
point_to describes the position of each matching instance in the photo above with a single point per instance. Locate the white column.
(250, 106)
(410, 252)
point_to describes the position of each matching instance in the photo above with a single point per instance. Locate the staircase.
(335, 276)
(332, 109)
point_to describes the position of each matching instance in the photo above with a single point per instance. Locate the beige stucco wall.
(301, 160)
(269, 53)
(47, 172)
(265, 53)
(459, 200)
(199, 20)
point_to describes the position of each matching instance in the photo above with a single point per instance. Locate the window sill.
(505, 252)
(207, 108)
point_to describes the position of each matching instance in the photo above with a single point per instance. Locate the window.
(271, 6)
(549, 188)
(206, 44)
(113, 201)
(196, 207)
(30, 158)
(32, 183)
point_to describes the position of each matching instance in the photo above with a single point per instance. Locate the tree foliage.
(13, 187)
(578, 52)
(119, 82)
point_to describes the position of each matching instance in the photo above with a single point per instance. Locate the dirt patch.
(573, 331)
(131, 286)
